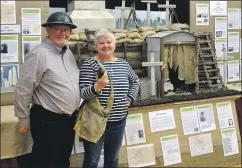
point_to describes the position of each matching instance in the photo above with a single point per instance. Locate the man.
(49, 81)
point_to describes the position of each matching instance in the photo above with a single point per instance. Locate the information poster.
(233, 42)
(141, 156)
(200, 144)
(8, 12)
(225, 115)
(161, 120)
(233, 18)
(31, 21)
(218, 8)
(233, 70)
(9, 77)
(9, 48)
(202, 14)
(230, 142)
(134, 129)
(221, 48)
(206, 117)
(189, 120)
(28, 43)
(171, 150)
(221, 27)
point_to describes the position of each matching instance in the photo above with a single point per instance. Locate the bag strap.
(111, 96)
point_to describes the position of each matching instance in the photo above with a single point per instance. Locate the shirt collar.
(55, 47)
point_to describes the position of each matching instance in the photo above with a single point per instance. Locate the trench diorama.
(189, 70)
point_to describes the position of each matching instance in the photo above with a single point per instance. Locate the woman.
(126, 86)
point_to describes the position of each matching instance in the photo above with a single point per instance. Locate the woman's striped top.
(125, 83)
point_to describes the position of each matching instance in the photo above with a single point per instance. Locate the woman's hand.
(102, 82)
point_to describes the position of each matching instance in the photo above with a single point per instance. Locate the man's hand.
(25, 129)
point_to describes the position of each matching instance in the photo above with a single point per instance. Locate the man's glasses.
(59, 30)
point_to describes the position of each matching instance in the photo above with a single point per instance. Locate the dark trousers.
(53, 138)
(112, 140)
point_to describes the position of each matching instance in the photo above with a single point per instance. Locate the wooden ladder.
(208, 72)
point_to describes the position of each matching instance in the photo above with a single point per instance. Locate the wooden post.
(148, 10)
(162, 49)
(152, 64)
(122, 8)
(167, 6)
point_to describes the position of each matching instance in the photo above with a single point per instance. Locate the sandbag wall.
(130, 44)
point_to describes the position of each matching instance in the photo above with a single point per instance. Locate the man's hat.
(59, 18)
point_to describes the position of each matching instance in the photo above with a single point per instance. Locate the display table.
(13, 143)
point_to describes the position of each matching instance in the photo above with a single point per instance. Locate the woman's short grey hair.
(101, 33)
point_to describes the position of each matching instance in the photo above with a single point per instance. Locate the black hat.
(59, 18)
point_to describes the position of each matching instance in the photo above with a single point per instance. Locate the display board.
(188, 134)
(223, 19)
(20, 32)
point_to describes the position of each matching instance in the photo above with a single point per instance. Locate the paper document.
(28, 43)
(161, 120)
(202, 14)
(233, 42)
(9, 77)
(9, 48)
(225, 115)
(170, 149)
(234, 70)
(141, 156)
(200, 144)
(220, 27)
(10, 29)
(8, 12)
(230, 142)
(134, 129)
(218, 8)
(189, 120)
(221, 48)
(233, 18)
(206, 117)
(31, 21)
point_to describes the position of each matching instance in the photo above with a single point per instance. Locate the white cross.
(122, 8)
(167, 6)
(148, 9)
(152, 64)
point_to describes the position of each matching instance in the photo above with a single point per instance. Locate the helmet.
(59, 18)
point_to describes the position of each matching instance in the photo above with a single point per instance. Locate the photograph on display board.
(9, 77)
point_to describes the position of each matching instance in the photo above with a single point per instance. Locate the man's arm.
(28, 81)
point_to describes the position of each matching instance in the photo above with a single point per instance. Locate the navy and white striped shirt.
(125, 84)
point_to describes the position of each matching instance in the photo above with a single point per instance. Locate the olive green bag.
(92, 117)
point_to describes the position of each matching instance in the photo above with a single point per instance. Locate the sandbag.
(160, 28)
(147, 33)
(75, 37)
(125, 40)
(144, 29)
(119, 31)
(132, 30)
(134, 35)
(181, 26)
(82, 36)
(76, 31)
(173, 28)
(120, 35)
(138, 40)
